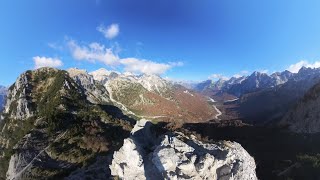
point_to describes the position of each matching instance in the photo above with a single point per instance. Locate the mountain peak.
(76, 71)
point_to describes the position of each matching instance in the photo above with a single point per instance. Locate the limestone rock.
(176, 156)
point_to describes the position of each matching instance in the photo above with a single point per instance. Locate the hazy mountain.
(238, 86)
(271, 104)
(263, 98)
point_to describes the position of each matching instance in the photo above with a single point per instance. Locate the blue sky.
(179, 39)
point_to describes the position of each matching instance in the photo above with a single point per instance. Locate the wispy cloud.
(40, 62)
(218, 76)
(109, 32)
(96, 52)
(135, 65)
(241, 73)
(55, 46)
(294, 68)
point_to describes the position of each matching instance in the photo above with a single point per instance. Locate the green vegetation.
(75, 131)
(129, 94)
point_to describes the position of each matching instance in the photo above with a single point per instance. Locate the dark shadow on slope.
(274, 150)
(146, 139)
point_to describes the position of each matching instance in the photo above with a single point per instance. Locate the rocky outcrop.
(177, 156)
(19, 104)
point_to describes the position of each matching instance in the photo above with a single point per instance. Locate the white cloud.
(93, 52)
(46, 62)
(264, 71)
(96, 52)
(294, 68)
(218, 76)
(109, 32)
(135, 65)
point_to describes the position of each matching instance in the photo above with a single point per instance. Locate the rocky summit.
(177, 156)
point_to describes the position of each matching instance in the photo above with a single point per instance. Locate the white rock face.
(104, 75)
(176, 156)
(18, 98)
(154, 83)
(130, 164)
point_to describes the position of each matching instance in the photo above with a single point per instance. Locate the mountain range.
(67, 125)
(261, 98)
(78, 125)
(153, 97)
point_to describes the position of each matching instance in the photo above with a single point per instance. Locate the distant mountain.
(153, 97)
(3, 94)
(263, 98)
(271, 104)
(245, 84)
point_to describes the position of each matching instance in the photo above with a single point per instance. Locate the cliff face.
(305, 116)
(176, 156)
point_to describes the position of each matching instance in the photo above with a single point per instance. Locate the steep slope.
(50, 129)
(152, 97)
(305, 116)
